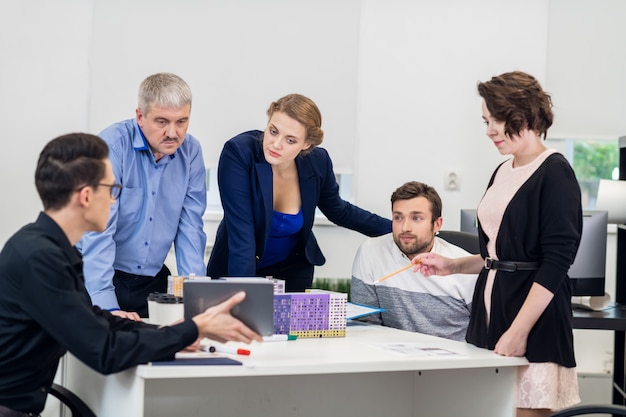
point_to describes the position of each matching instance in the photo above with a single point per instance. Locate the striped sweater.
(438, 305)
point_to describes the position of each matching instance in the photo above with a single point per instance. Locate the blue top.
(161, 203)
(245, 182)
(283, 238)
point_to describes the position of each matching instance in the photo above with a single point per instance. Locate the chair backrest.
(616, 410)
(77, 407)
(467, 241)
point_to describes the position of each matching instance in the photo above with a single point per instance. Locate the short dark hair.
(517, 99)
(413, 189)
(67, 163)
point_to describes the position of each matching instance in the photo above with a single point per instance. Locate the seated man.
(44, 307)
(439, 306)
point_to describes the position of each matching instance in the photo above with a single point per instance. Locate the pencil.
(404, 268)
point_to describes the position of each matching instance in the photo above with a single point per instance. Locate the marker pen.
(225, 349)
(279, 337)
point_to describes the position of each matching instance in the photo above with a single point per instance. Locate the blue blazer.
(246, 190)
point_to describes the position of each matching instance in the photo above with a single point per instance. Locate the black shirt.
(45, 311)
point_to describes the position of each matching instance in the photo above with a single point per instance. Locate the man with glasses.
(44, 307)
(116, 190)
(162, 171)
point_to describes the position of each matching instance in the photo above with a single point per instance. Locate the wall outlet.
(452, 180)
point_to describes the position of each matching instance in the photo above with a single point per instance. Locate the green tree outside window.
(593, 161)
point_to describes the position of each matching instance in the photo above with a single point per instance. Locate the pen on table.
(225, 349)
(279, 337)
(404, 268)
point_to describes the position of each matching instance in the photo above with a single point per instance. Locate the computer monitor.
(588, 270)
(612, 198)
(587, 273)
(469, 223)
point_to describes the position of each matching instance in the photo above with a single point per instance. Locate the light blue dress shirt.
(161, 203)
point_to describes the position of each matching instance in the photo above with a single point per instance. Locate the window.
(214, 203)
(344, 180)
(592, 161)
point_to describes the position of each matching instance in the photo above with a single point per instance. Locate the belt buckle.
(488, 262)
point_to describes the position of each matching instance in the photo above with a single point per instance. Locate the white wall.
(44, 88)
(419, 113)
(395, 80)
(587, 67)
(237, 56)
(586, 77)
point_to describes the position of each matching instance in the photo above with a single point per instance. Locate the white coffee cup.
(168, 309)
(152, 310)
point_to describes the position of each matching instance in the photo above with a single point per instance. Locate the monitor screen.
(611, 197)
(468, 221)
(588, 270)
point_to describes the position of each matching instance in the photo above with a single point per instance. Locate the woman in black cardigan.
(530, 222)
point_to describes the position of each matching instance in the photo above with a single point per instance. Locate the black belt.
(127, 275)
(510, 266)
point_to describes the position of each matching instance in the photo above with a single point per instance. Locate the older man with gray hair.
(163, 174)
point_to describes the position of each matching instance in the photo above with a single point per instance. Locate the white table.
(358, 375)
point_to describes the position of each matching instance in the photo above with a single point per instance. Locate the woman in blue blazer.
(270, 185)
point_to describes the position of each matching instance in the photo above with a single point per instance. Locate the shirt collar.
(139, 140)
(396, 250)
(52, 229)
(140, 143)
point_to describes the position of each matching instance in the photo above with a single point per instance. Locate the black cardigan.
(543, 222)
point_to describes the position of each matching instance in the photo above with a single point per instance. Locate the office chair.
(71, 401)
(580, 410)
(467, 241)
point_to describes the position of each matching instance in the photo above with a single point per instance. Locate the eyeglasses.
(116, 190)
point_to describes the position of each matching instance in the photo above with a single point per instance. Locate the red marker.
(226, 349)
